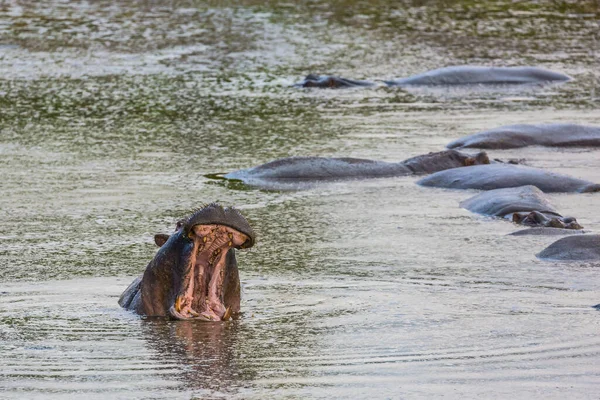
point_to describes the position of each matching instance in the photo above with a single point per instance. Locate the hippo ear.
(160, 239)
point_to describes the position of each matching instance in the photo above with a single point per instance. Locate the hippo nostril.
(573, 225)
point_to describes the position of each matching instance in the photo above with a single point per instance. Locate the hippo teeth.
(227, 314)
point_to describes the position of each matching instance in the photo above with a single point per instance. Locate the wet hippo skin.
(497, 176)
(288, 172)
(573, 248)
(522, 135)
(543, 231)
(472, 75)
(194, 274)
(525, 205)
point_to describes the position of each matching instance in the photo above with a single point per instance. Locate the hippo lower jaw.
(200, 294)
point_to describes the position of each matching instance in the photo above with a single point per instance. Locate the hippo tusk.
(227, 314)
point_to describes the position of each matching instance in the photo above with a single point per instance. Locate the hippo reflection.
(521, 135)
(300, 172)
(201, 356)
(525, 205)
(194, 274)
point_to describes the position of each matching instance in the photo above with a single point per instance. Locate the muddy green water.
(112, 113)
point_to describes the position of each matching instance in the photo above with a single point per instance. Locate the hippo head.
(544, 219)
(193, 275)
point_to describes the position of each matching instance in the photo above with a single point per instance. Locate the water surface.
(113, 113)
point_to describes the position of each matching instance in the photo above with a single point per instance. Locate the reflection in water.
(203, 352)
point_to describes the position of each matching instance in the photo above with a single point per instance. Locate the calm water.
(112, 113)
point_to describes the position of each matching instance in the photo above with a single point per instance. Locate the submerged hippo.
(521, 135)
(497, 176)
(544, 231)
(474, 75)
(524, 205)
(331, 82)
(194, 274)
(573, 248)
(298, 172)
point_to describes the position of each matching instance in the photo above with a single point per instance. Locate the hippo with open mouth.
(194, 274)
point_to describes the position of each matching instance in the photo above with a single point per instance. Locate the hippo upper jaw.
(199, 293)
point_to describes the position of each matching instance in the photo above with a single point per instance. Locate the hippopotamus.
(194, 274)
(525, 205)
(479, 75)
(331, 82)
(497, 176)
(302, 172)
(573, 248)
(546, 231)
(522, 135)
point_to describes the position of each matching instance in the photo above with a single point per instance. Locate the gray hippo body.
(194, 274)
(479, 75)
(544, 231)
(522, 135)
(526, 205)
(497, 176)
(573, 248)
(331, 82)
(300, 172)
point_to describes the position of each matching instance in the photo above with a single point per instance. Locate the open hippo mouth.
(200, 295)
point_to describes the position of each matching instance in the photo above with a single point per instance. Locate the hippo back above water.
(521, 135)
(573, 248)
(497, 176)
(302, 172)
(525, 205)
(480, 75)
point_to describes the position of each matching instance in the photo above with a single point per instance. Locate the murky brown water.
(112, 113)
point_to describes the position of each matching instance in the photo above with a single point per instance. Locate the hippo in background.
(194, 274)
(331, 82)
(522, 135)
(480, 75)
(497, 176)
(448, 76)
(524, 205)
(573, 248)
(295, 173)
(544, 231)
